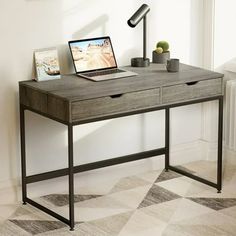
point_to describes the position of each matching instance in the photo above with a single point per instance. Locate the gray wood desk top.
(64, 98)
(74, 88)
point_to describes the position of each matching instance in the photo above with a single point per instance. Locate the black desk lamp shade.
(139, 15)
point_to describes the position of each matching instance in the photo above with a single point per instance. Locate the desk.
(74, 101)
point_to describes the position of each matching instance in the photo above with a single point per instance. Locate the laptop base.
(109, 77)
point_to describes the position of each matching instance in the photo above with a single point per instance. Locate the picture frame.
(47, 64)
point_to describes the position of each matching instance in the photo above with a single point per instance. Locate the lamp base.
(140, 62)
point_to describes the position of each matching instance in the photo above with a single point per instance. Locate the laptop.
(94, 59)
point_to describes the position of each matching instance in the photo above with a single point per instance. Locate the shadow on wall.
(12, 135)
(78, 7)
(196, 33)
(114, 139)
(9, 129)
(46, 144)
(92, 142)
(128, 54)
(99, 22)
(63, 49)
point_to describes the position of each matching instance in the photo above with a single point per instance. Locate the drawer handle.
(192, 83)
(116, 95)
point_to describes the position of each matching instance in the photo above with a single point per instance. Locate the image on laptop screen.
(92, 54)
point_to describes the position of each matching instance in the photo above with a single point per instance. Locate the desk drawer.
(193, 90)
(114, 104)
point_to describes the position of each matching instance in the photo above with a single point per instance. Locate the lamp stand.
(142, 61)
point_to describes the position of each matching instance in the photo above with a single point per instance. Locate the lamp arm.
(144, 37)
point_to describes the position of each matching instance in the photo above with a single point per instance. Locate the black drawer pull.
(116, 95)
(192, 83)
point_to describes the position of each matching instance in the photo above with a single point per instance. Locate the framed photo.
(47, 64)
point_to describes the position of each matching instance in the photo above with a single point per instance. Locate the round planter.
(160, 58)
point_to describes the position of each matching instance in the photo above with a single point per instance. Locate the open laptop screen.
(92, 54)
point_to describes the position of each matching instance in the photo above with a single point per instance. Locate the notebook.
(94, 59)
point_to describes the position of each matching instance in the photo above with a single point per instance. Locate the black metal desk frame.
(71, 170)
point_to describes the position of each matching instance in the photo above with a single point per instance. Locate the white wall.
(26, 25)
(225, 36)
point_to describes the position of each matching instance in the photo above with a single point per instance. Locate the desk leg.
(220, 133)
(167, 138)
(71, 176)
(23, 153)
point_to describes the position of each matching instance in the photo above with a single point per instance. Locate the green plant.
(159, 50)
(162, 44)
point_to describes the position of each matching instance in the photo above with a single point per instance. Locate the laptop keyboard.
(104, 72)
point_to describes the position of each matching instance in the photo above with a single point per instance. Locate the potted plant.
(161, 54)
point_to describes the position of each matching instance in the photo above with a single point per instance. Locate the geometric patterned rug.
(151, 204)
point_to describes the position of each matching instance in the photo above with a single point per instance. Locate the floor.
(152, 203)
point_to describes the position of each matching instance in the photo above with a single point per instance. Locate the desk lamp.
(132, 22)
